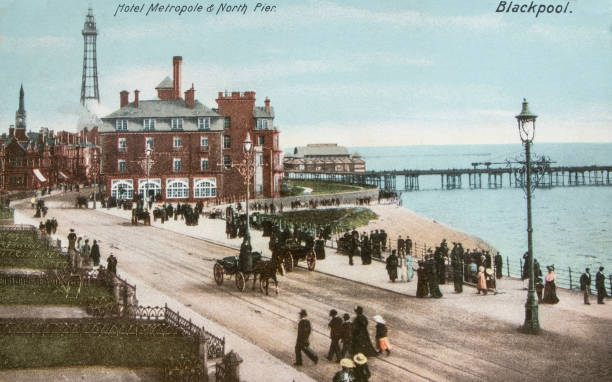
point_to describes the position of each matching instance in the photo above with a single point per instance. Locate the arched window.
(177, 188)
(122, 189)
(205, 188)
(154, 188)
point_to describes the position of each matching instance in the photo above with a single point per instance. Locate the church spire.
(21, 105)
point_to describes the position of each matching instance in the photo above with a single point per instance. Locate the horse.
(266, 270)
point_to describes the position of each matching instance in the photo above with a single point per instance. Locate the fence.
(566, 277)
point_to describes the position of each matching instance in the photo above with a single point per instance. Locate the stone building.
(30, 160)
(323, 157)
(181, 150)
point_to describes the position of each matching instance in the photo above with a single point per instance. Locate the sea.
(572, 226)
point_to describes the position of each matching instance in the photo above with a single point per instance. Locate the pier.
(477, 178)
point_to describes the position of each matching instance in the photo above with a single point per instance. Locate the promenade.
(434, 339)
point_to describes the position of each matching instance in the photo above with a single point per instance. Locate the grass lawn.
(6, 213)
(33, 263)
(337, 219)
(319, 188)
(50, 295)
(37, 351)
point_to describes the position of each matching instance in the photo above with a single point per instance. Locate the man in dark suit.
(600, 284)
(585, 285)
(302, 343)
(335, 333)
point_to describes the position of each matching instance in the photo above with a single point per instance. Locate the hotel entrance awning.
(63, 175)
(39, 175)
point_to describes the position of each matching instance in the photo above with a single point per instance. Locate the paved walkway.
(42, 311)
(506, 305)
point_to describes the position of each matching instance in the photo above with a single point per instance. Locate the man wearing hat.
(362, 370)
(346, 374)
(335, 333)
(347, 336)
(302, 343)
(585, 285)
(600, 281)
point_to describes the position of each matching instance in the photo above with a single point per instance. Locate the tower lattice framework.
(89, 84)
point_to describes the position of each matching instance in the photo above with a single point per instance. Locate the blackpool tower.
(89, 84)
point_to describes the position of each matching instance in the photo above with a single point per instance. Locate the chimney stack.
(176, 63)
(190, 97)
(124, 100)
(12, 131)
(267, 103)
(136, 103)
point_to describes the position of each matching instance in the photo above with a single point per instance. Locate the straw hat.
(489, 271)
(360, 359)
(347, 362)
(377, 318)
(481, 268)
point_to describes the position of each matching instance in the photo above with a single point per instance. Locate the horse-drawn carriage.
(141, 214)
(264, 270)
(292, 252)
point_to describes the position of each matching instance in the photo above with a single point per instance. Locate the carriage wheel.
(218, 272)
(240, 281)
(288, 262)
(311, 260)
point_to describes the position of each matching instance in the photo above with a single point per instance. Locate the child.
(361, 371)
(382, 342)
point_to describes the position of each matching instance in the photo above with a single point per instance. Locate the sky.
(360, 73)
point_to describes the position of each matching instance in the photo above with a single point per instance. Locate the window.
(122, 189)
(122, 144)
(177, 188)
(227, 123)
(149, 143)
(262, 124)
(204, 163)
(148, 124)
(227, 142)
(154, 187)
(227, 161)
(177, 165)
(204, 123)
(177, 142)
(121, 124)
(177, 123)
(204, 142)
(121, 166)
(261, 140)
(259, 160)
(205, 188)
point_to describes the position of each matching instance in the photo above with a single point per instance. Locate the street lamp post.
(146, 198)
(95, 174)
(245, 259)
(526, 126)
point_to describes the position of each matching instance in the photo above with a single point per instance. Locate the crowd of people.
(350, 344)
(82, 254)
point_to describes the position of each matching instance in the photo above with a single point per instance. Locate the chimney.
(136, 92)
(267, 103)
(51, 133)
(176, 63)
(190, 97)
(12, 131)
(124, 100)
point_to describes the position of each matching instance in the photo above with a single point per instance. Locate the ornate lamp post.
(246, 170)
(95, 169)
(148, 152)
(526, 127)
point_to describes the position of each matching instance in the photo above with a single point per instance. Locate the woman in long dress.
(550, 288)
(422, 289)
(361, 337)
(482, 280)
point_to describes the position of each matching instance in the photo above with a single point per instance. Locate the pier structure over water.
(477, 178)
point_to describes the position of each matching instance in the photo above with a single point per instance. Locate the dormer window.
(263, 124)
(148, 124)
(121, 124)
(177, 123)
(204, 123)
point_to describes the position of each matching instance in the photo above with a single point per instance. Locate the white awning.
(39, 175)
(63, 175)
